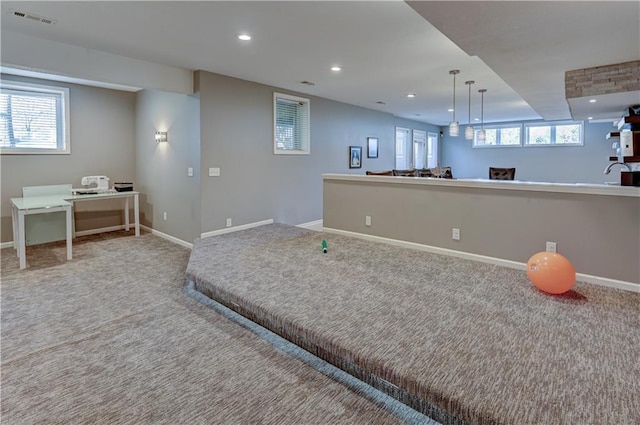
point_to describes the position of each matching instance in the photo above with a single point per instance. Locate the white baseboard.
(235, 228)
(80, 233)
(120, 227)
(596, 280)
(312, 225)
(168, 237)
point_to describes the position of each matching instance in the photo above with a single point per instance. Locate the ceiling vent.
(32, 17)
(307, 83)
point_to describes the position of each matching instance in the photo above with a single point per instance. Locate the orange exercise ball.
(551, 272)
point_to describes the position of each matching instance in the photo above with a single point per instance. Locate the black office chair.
(405, 173)
(497, 173)
(379, 173)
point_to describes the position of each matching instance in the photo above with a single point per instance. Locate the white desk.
(37, 205)
(112, 195)
(53, 203)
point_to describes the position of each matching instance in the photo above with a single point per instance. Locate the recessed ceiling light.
(411, 95)
(244, 37)
(589, 118)
(592, 101)
(336, 68)
(450, 110)
(476, 119)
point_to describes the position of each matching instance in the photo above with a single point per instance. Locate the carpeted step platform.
(461, 341)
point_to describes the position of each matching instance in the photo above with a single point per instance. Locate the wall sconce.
(161, 136)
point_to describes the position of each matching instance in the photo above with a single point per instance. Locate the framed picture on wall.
(355, 156)
(372, 147)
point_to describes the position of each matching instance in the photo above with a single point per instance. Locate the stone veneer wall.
(616, 78)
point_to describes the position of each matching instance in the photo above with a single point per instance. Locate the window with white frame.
(291, 129)
(34, 119)
(425, 149)
(419, 148)
(499, 135)
(403, 149)
(557, 133)
(432, 150)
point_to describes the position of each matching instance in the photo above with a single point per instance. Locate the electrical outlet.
(214, 172)
(551, 247)
(228, 222)
(367, 220)
(455, 234)
(164, 216)
(190, 172)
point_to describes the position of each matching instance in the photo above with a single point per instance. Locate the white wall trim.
(312, 225)
(167, 237)
(596, 280)
(235, 228)
(78, 233)
(120, 227)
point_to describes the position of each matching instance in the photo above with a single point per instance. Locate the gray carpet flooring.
(477, 340)
(114, 337)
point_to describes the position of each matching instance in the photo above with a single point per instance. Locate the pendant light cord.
(469, 118)
(482, 108)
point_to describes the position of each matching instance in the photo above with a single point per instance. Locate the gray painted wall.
(254, 185)
(580, 164)
(598, 234)
(161, 168)
(102, 132)
(228, 124)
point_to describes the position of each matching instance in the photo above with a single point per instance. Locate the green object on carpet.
(324, 246)
(110, 337)
(475, 340)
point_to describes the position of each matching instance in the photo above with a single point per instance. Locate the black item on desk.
(123, 186)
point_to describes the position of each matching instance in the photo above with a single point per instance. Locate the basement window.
(291, 130)
(34, 119)
(557, 133)
(499, 135)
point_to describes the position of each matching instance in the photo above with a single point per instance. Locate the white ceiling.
(518, 51)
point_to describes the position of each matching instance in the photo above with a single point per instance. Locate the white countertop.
(579, 188)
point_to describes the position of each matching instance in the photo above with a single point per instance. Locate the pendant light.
(468, 132)
(482, 136)
(454, 128)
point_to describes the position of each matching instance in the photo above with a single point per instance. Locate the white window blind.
(33, 118)
(291, 129)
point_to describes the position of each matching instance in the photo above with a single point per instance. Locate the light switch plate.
(214, 172)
